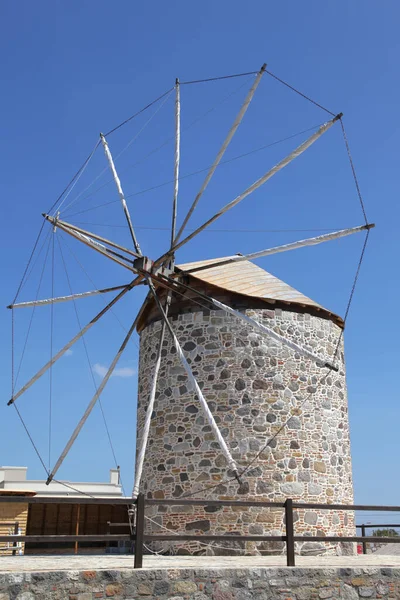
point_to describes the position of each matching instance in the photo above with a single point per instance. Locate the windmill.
(166, 280)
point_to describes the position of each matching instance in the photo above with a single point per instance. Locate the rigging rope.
(35, 261)
(193, 173)
(28, 263)
(106, 168)
(138, 113)
(219, 78)
(300, 93)
(163, 144)
(30, 437)
(89, 364)
(51, 348)
(77, 174)
(229, 160)
(71, 487)
(27, 337)
(12, 352)
(356, 278)
(80, 173)
(93, 283)
(209, 545)
(32, 315)
(42, 461)
(353, 171)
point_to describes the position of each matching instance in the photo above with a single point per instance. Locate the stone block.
(203, 525)
(184, 587)
(349, 593)
(292, 488)
(314, 489)
(366, 592)
(114, 589)
(311, 518)
(144, 589)
(161, 587)
(327, 592)
(294, 423)
(320, 467)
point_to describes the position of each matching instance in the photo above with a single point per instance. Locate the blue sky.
(71, 70)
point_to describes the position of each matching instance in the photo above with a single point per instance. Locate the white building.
(15, 479)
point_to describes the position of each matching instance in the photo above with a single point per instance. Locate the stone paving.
(18, 564)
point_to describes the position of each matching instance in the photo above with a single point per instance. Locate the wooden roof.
(248, 279)
(244, 280)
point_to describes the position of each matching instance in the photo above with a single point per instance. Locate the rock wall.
(258, 391)
(203, 584)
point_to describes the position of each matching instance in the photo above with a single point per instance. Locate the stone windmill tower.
(242, 387)
(258, 390)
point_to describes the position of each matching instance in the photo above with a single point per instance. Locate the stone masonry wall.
(258, 390)
(204, 584)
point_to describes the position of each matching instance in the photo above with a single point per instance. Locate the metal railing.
(368, 539)
(140, 537)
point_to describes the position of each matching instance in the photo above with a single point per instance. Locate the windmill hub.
(146, 264)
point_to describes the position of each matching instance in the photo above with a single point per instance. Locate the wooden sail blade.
(257, 184)
(88, 241)
(195, 385)
(58, 299)
(120, 193)
(177, 158)
(328, 237)
(223, 148)
(92, 403)
(95, 236)
(142, 443)
(67, 346)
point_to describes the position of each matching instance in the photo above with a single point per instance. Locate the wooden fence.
(139, 537)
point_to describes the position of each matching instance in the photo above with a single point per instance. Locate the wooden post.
(44, 515)
(78, 514)
(108, 531)
(98, 518)
(364, 543)
(289, 533)
(71, 524)
(139, 531)
(57, 517)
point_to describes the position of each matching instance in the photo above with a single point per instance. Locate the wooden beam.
(78, 514)
(120, 193)
(82, 332)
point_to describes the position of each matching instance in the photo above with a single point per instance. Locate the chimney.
(114, 476)
(12, 474)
